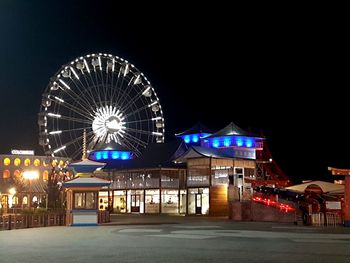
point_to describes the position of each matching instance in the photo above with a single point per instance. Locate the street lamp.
(12, 192)
(30, 175)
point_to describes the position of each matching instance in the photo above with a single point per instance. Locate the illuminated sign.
(244, 153)
(334, 205)
(22, 152)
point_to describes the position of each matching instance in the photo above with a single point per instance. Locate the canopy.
(325, 186)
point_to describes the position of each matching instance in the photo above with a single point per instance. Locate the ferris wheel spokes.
(106, 95)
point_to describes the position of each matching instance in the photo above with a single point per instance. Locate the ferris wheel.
(104, 99)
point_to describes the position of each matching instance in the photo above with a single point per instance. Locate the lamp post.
(12, 192)
(30, 176)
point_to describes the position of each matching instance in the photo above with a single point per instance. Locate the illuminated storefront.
(188, 176)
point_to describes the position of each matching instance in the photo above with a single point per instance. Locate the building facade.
(195, 175)
(17, 190)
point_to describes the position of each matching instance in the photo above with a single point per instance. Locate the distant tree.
(54, 188)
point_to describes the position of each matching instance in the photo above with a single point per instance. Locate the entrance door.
(198, 204)
(135, 203)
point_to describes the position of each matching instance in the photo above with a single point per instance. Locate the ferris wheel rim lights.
(105, 95)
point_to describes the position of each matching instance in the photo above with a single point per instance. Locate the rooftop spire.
(84, 157)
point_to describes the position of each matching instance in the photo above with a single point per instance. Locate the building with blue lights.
(195, 134)
(198, 173)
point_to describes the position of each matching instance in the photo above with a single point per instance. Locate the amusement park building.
(12, 169)
(196, 174)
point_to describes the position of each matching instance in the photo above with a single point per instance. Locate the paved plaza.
(137, 238)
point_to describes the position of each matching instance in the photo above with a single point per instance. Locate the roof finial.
(84, 157)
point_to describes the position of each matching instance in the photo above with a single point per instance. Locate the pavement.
(162, 238)
(155, 219)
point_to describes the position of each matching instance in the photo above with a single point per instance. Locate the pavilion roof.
(86, 166)
(197, 128)
(86, 182)
(199, 151)
(232, 129)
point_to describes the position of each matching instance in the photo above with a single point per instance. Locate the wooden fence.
(17, 221)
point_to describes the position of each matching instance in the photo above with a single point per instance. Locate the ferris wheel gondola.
(103, 97)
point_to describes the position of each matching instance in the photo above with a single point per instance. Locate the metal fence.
(333, 219)
(326, 219)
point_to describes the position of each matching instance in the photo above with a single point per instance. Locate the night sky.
(281, 74)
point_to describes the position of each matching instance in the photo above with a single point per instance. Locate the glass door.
(135, 203)
(198, 201)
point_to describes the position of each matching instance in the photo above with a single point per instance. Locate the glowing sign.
(22, 152)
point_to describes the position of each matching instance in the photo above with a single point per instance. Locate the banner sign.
(22, 152)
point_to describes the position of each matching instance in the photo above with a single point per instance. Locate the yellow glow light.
(17, 162)
(12, 191)
(7, 161)
(30, 175)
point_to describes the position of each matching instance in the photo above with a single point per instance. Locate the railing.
(317, 219)
(136, 184)
(170, 184)
(326, 219)
(333, 219)
(16, 221)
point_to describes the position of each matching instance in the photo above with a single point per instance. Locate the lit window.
(7, 161)
(25, 200)
(14, 200)
(86, 200)
(17, 162)
(26, 162)
(6, 174)
(45, 175)
(61, 163)
(37, 162)
(17, 174)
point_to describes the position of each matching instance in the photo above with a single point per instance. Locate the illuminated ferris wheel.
(103, 98)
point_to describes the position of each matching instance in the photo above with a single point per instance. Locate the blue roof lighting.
(231, 141)
(110, 155)
(192, 138)
(115, 155)
(239, 142)
(105, 155)
(227, 142)
(195, 138)
(249, 143)
(216, 143)
(125, 155)
(98, 155)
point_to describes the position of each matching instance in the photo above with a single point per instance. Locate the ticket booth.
(82, 200)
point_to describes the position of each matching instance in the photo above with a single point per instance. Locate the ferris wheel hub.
(107, 123)
(113, 124)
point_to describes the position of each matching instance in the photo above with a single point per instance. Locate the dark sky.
(282, 74)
